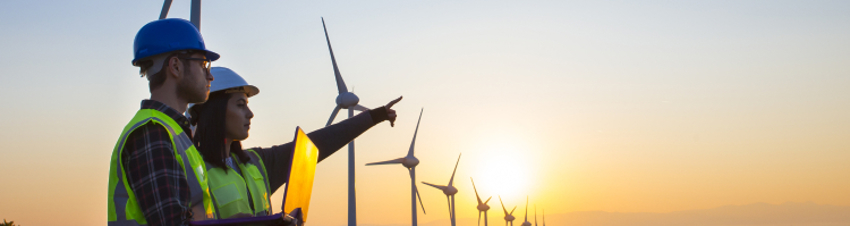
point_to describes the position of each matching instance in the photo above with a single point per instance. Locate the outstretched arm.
(328, 140)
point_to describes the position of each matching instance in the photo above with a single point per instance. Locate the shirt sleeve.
(155, 176)
(328, 140)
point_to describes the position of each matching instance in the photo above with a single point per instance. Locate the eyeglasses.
(207, 62)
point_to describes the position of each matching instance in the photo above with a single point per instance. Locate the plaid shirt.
(154, 174)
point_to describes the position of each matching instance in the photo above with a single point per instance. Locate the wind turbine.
(482, 206)
(526, 223)
(450, 192)
(345, 100)
(544, 217)
(509, 217)
(410, 163)
(535, 214)
(195, 14)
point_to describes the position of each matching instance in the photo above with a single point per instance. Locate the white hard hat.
(224, 78)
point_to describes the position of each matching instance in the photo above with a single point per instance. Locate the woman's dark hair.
(210, 131)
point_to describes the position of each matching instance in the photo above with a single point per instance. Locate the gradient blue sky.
(648, 106)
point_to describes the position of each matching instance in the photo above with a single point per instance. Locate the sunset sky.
(617, 106)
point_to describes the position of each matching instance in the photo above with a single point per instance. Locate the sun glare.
(503, 169)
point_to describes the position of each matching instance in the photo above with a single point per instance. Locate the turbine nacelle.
(450, 190)
(526, 223)
(483, 207)
(510, 218)
(347, 100)
(409, 162)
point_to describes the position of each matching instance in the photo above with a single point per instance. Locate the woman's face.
(237, 120)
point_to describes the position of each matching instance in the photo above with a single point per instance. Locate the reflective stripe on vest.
(258, 162)
(123, 208)
(229, 188)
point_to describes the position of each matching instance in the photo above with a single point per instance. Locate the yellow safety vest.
(123, 207)
(229, 188)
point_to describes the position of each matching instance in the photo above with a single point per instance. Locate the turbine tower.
(345, 100)
(195, 13)
(535, 214)
(410, 163)
(482, 206)
(544, 217)
(526, 223)
(509, 217)
(450, 192)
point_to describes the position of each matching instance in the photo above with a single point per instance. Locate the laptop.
(302, 173)
(299, 188)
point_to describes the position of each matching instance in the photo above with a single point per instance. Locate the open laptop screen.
(299, 188)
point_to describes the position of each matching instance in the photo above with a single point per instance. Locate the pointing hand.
(390, 112)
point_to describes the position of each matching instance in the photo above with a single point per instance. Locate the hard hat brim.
(212, 56)
(251, 90)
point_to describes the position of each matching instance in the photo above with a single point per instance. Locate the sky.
(618, 106)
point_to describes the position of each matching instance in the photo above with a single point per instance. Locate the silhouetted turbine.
(450, 192)
(509, 217)
(526, 223)
(410, 163)
(482, 206)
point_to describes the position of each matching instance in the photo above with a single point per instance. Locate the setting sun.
(506, 170)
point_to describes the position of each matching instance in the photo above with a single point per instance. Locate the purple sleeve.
(155, 176)
(328, 140)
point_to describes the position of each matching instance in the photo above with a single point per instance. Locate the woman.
(241, 180)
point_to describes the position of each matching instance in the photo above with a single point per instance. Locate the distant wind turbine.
(509, 217)
(345, 100)
(526, 223)
(410, 163)
(482, 206)
(450, 192)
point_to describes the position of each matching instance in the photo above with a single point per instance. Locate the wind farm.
(598, 113)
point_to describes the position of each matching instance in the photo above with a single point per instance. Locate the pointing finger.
(394, 102)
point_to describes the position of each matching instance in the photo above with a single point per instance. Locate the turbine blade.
(488, 199)
(412, 174)
(436, 186)
(526, 208)
(453, 172)
(512, 211)
(503, 205)
(412, 143)
(340, 84)
(361, 108)
(165, 7)
(476, 191)
(333, 115)
(398, 160)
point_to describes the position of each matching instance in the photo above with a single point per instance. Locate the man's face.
(195, 85)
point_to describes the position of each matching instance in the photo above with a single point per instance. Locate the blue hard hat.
(166, 35)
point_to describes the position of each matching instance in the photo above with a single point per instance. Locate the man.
(156, 175)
